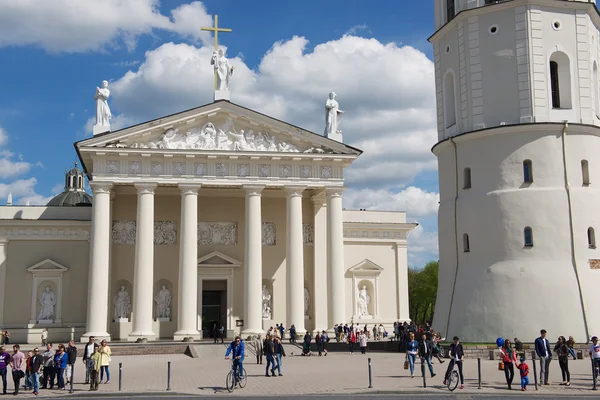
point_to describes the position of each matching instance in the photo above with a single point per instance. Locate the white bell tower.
(518, 109)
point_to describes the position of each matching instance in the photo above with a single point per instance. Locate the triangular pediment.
(218, 260)
(366, 267)
(218, 127)
(47, 266)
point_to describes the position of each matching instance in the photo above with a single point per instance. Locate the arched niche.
(365, 273)
(163, 306)
(267, 306)
(47, 288)
(115, 294)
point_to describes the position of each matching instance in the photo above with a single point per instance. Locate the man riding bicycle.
(236, 349)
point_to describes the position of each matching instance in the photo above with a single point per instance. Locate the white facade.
(204, 222)
(518, 106)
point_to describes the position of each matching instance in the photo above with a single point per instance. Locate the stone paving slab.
(337, 373)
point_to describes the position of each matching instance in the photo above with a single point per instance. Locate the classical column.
(319, 294)
(187, 314)
(335, 257)
(294, 259)
(98, 275)
(3, 250)
(253, 262)
(143, 270)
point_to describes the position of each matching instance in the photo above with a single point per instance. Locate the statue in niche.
(223, 68)
(266, 303)
(122, 304)
(333, 116)
(48, 302)
(306, 302)
(103, 114)
(163, 303)
(363, 301)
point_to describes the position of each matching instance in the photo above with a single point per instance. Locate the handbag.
(501, 366)
(406, 364)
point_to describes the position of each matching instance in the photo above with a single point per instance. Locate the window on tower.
(591, 238)
(449, 100)
(466, 246)
(467, 178)
(560, 80)
(585, 172)
(527, 171)
(595, 96)
(528, 236)
(450, 11)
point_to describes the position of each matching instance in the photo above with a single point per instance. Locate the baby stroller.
(306, 349)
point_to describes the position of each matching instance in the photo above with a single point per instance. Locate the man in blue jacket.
(543, 351)
(236, 349)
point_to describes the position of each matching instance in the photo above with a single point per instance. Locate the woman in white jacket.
(362, 338)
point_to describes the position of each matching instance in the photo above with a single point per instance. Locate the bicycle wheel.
(230, 382)
(242, 382)
(453, 381)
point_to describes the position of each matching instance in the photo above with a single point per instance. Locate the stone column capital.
(253, 190)
(189, 189)
(101, 187)
(334, 191)
(145, 188)
(293, 191)
(319, 199)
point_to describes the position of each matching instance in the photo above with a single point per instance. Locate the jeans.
(411, 362)
(102, 369)
(428, 360)
(524, 382)
(544, 366)
(88, 368)
(363, 349)
(27, 379)
(271, 362)
(4, 383)
(93, 375)
(278, 368)
(563, 362)
(572, 353)
(351, 347)
(34, 381)
(459, 364)
(60, 377)
(509, 373)
(239, 363)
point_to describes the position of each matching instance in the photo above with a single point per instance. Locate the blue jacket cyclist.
(236, 349)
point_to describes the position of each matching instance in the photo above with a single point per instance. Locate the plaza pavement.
(337, 373)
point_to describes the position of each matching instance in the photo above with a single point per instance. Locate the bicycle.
(233, 377)
(453, 378)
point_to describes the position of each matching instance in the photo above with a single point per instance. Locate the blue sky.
(288, 56)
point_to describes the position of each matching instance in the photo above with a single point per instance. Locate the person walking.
(543, 351)
(412, 348)
(88, 352)
(351, 341)
(524, 372)
(279, 354)
(4, 362)
(258, 348)
(562, 351)
(18, 366)
(269, 347)
(509, 358)
(319, 343)
(37, 362)
(457, 356)
(72, 358)
(222, 333)
(362, 339)
(105, 353)
(293, 334)
(425, 351)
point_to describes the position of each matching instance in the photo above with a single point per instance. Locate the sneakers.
(432, 375)
(462, 386)
(444, 382)
(522, 389)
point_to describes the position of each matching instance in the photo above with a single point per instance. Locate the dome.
(74, 193)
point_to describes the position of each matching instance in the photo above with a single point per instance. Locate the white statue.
(333, 116)
(223, 69)
(163, 303)
(103, 114)
(266, 303)
(47, 301)
(306, 302)
(363, 301)
(122, 304)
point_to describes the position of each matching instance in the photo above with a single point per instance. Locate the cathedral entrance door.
(214, 307)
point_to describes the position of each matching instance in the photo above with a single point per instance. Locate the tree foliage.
(422, 292)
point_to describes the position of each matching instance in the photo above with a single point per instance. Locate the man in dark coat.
(425, 350)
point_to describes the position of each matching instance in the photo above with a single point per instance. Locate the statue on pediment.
(333, 116)
(103, 114)
(223, 68)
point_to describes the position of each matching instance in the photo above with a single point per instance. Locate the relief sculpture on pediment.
(225, 137)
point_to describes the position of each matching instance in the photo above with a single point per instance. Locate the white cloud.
(356, 29)
(3, 137)
(23, 190)
(87, 25)
(423, 247)
(415, 201)
(386, 92)
(58, 188)
(10, 168)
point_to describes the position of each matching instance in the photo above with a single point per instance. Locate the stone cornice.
(334, 192)
(189, 189)
(294, 191)
(253, 190)
(145, 188)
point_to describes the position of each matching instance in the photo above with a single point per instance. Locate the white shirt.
(595, 349)
(89, 350)
(425, 345)
(546, 344)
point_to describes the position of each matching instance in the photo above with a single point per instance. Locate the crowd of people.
(50, 367)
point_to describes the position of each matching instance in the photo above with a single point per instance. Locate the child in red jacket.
(524, 369)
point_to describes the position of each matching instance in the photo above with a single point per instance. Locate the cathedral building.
(518, 108)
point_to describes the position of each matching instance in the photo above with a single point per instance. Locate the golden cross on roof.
(216, 30)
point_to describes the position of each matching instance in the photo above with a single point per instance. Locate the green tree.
(422, 292)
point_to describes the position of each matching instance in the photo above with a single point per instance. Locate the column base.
(134, 336)
(180, 335)
(85, 338)
(251, 332)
